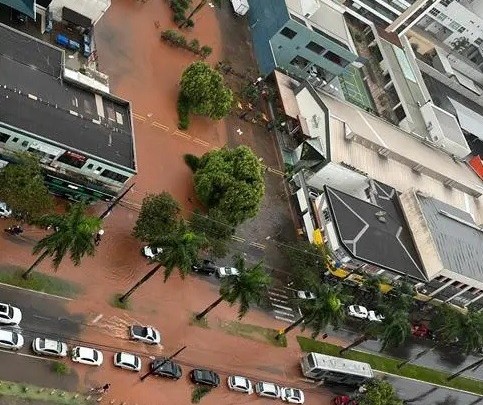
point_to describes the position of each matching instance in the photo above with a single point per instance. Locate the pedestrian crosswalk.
(282, 304)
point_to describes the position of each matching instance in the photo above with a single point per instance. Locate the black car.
(205, 377)
(169, 369)
(205, 267)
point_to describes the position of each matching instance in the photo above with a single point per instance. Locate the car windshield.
(94, 355)
(10, 312)
(14, 338)
(118, 357)
(136, 361)
(295, 393)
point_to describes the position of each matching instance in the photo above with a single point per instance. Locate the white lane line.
(280, 290)
(282, 307)
(25, 355)
(37, 292)
(277, 300)
(281, 318)
(278, 295)
(277, 311)
(42, 317)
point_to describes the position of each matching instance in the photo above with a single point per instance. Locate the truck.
(240, 6)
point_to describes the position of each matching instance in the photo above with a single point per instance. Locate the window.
(461, 30)
(478, 41)
(454, 25)
(287, 32)
(15, 139)
(315, 47)
(42, 155)
(336, 59)
(90, 166)
(330, 38)
(326, 215)
(442, 17)
(445, 2)
(299, 62)
(298, 19)
(434, 12)
(114, 176)
(72, 159)
(4, 137)
(25, 144)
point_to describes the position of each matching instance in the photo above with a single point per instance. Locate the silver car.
(11, 340)
(49, 347)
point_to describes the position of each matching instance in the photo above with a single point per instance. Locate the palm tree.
(397, 328)
(198, 7)
(373, 287)
(180, 250)
(447, 324)
(471, 331)
(245, 288)
(326, 308)
(73, 234)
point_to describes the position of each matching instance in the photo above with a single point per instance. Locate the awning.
(467, 82)
(302, 200)
(76, 18)
(469, 120)
(26, 7)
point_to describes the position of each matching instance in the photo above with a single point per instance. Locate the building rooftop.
(375, 233)
(35, 97)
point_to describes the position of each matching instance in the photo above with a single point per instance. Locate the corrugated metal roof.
(458, 239)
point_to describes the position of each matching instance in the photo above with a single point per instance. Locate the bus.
(337, 370)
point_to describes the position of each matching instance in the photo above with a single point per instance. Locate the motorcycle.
(14, 230)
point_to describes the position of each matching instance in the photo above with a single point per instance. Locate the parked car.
(170, 369)
(11, 340)
(205, 267)
(5, 212)
(127, 361)
(226, 271)
(306, 295)
(292, 395)
(205, 377)
(10, 315)
(145, 334)
(375, 317)
(358, 311)
(266, 389)
(421, 330)
(344, 400)
(87, 355)
(151, 252)
(49, 347)
(240, 384)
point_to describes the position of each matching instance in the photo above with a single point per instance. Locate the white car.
(358, 311)
(127, 361)
(374, 317)
(11, 340)
(151, 252)
(146, 334)
(5, 212)
(10, 315)
(292, 395)
(240, 384)
(226, 271)
(49, 347)
(87, 355)
(306, 295)
(266, 389)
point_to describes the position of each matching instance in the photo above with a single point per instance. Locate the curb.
(37, 292)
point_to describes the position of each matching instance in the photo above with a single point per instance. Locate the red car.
(344, 400)
(419, 330)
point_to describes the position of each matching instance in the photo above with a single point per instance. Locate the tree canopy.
(22, 188)
(231, 181)
(204, 91)
(308, 262)
(158, 217)
(379, 393)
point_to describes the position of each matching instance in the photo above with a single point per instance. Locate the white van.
(240, 7)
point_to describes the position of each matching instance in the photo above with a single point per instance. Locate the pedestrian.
(106, 387)
(97, 238)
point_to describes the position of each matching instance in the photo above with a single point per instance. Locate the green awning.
(26, 7)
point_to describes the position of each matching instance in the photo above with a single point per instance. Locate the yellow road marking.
(257, 245)
(160, 126)
(201, 142)
(138, 117)
(237, 238)
(182, 134)
(280, 173)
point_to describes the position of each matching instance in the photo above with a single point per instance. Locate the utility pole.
(115, 202)
(151, 372)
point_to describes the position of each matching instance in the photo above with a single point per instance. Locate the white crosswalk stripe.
(282, 307)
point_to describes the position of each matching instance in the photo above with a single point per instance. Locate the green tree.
(471, 331)
(158, 217)
(379, 393)
(217, 231)
(308, 262)
(22, 188)
(372, 286)
(231, 181)
(325, 309)
(205, 92)
(246, 288)
(396, 329)
(401, 297)
(73, 234)
(180, 250)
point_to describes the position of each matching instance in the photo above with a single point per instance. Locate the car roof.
(50, 344)
(240, 380)
(127, 357)
(6, 333)
(85, 351)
